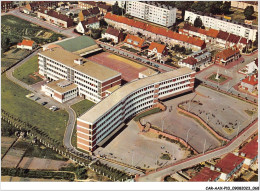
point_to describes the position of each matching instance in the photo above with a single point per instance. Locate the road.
(67, 32)
(157, 176)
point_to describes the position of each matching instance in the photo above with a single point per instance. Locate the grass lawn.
(82, 106)
(152, 111)
(25, 73)
(220, 80)
(238, 15)
(14, 101)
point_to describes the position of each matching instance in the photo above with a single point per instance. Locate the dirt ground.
(6, 142)
(129, 69)
(42, 164)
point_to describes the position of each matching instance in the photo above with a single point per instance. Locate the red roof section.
(225, 54)
(159, 47)
(26, 43)
(250, 80)
(251, 148)
(156, 30)
(205, 175)
(137, 39)
(243, 40)
(228, 163)
(190, 61)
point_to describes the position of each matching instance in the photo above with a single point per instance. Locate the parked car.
(38, 98)
(30, 95)
(44, 103)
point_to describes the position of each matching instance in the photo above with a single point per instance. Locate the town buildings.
(89, 23)
(88, 13)
(250, 83)
(154, 32)
(219, 23)
(27, 44)
(250, 153)
(102, 119)
(114, 34)
(159, 50)
(55, 18)
(34, 6)
(103, 7)
(227, 56)
(155, 12)
(6, 5)
(196, 60)
(206, 175)
(91, 78)
(244, 4)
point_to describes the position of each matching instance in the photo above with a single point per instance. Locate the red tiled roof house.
(158, 50)
(206, 175)
(226, 56)
(114, 34)
(89, 23)
(229, 166)
(250, 83)
(26, 44)
(135, 42)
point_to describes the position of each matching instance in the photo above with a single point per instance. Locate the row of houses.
(35, 6)
(230, 166)
(154, 32)
(55, 17)
(103, 7)
(219, 23)
(218, 37)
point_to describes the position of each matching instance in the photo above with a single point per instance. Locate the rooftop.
(135, 40)
(159, 47)
(205, 175)
(227, 53)
(149, 72)
(113, 31)
(252, 80)
(97, 71)
(97, 111)
(228, 163)
(251, 149)
(26, 42)
(114, 88)
(190, 60)
(61, 86)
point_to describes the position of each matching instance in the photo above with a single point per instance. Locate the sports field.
(127, 68)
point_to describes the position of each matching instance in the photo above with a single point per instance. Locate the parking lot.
(224, 114)
(139, 150)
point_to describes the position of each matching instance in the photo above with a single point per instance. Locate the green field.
(82, 106)
(25, 73)
(238, 15)
(14, 101)
(220, 80)
(17, 29)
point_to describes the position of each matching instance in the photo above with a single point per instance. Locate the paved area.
(139, 150)
(158, 175)
(129, 69)
(182, 126)
(221, 111)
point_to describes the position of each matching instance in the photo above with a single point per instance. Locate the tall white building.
(151, 11)
(220, 23)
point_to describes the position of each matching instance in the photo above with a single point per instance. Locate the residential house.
(250, 153)
(154, 32)
(157, 49)
(27, 44)
(90, 23)
(222, 38)
(88, 13)
(206, 175)
(34, 6)
(250, 83)
(252, 67)
(135, 42)
(87, 4)
(229, 166)
(55, 18)
(104, 8)
(196, 60)
(227, 56)
(220, 23)
(114, 34)
(6, 5)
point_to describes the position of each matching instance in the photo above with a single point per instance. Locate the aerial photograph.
(129, 91)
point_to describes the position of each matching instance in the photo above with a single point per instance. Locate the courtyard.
(140, 150)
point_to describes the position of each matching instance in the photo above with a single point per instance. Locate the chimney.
(212, 167)
(78, 61)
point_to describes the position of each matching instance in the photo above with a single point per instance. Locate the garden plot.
(6, 142)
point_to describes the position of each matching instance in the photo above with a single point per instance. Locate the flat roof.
(94, 113)
(90, 68)
(114, 88)
(55, 85)
(148, 72)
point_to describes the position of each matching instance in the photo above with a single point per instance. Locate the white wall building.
(151, 11)
(220, 23)
(92, 79)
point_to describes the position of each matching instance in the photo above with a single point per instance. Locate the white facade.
(26, 47)
(152, 12)
(109, 36)
(222, 24)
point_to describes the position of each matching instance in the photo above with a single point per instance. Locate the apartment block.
(100, 121)
(151, 11)
(91, 78)
(219, 23)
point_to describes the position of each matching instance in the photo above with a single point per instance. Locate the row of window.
(57, 73)
(81, 84)
(177, 88)
(71, 91)
(54, 67)
(89, 93)
(145, 93)
(175, 84)
(140, 101)
(85, 81)
(85, 76)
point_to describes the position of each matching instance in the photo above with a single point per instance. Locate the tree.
(182, 6)
(198, 22)
(116, 9)
(225, 7)
(5, 43)
(248, 12)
